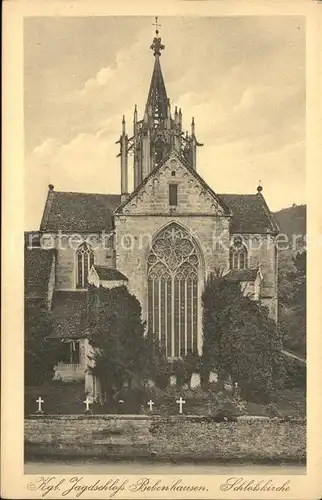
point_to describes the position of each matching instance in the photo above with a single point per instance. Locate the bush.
(155, 365)
(240, 339)
(290, 373)
(60, 398)
(41, 352)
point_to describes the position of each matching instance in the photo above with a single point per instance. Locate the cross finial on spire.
(157, 46)
(156, 25)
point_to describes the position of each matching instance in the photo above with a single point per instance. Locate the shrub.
(41, 352)
(289, 373)
(240, 339)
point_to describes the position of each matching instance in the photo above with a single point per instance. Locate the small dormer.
(106, 276)
(250, 281)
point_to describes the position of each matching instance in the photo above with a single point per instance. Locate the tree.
(240, 339)
(123, 356)
(292, 304)
(154, 364)
(41, 353)
(117, 336)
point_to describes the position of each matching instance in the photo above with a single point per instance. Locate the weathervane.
(157, 46)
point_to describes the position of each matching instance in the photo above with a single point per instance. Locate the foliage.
(183, 368)
(292, 304)
(60, 398)
(240, 340)
(154, 363)
(178, 369)
(117, 335)
(41, 353)
(124, 356)
(289, 373)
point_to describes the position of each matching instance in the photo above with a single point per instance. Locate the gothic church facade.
(161, 240)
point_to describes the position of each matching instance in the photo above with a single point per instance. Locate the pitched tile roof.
(109, 274)
(38, 263)
(241, 275)
(250, 213)
(69, 311)
(86, 212)
(79, 212)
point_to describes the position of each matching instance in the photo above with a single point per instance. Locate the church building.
(162, 239)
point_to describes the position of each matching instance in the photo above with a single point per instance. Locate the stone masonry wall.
(262, 252)
(88, 435)
(66, 256)
(178, 437)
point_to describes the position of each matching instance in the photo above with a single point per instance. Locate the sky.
(242, 78)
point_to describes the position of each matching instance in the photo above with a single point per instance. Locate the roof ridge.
(269, 213)
(246, 269)
(236, 194)
(47, 209)
(83, 193)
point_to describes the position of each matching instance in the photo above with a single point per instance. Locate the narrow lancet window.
(84, 262)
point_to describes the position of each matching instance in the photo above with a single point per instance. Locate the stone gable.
(194, 196)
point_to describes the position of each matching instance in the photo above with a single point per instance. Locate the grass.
(68, 398)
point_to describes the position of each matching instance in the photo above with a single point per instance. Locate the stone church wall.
(262, 252)
(193, 197)
(66, 257)
(134, 241)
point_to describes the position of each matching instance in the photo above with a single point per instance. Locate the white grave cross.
(180, 402)
(150, 404)
(39, 401)
(87, 402)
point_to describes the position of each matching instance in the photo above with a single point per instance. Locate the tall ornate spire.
(157, 103)
(158, 132)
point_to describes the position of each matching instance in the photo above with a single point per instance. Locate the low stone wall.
(90, 435)
(179, 437)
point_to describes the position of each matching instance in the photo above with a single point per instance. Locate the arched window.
(173, 266)
(84, 261)
(238, 255)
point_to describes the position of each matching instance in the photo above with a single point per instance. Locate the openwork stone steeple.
(158, 132)
(157, 102)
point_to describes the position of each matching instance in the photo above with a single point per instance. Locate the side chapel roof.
(37, 267)
(250, 213)
(69, 311)
(240, 275)
(109, 274)
(79, 212)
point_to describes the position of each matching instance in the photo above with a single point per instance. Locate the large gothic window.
(84, 261)
(173, 291)
(238, 255)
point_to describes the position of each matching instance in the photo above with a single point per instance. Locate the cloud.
(88, 163)
(237, 167)
(91, 85)
(243, 79)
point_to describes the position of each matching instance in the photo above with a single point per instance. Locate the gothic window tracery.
(84, 262)
(173, 267)
(238, 255)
